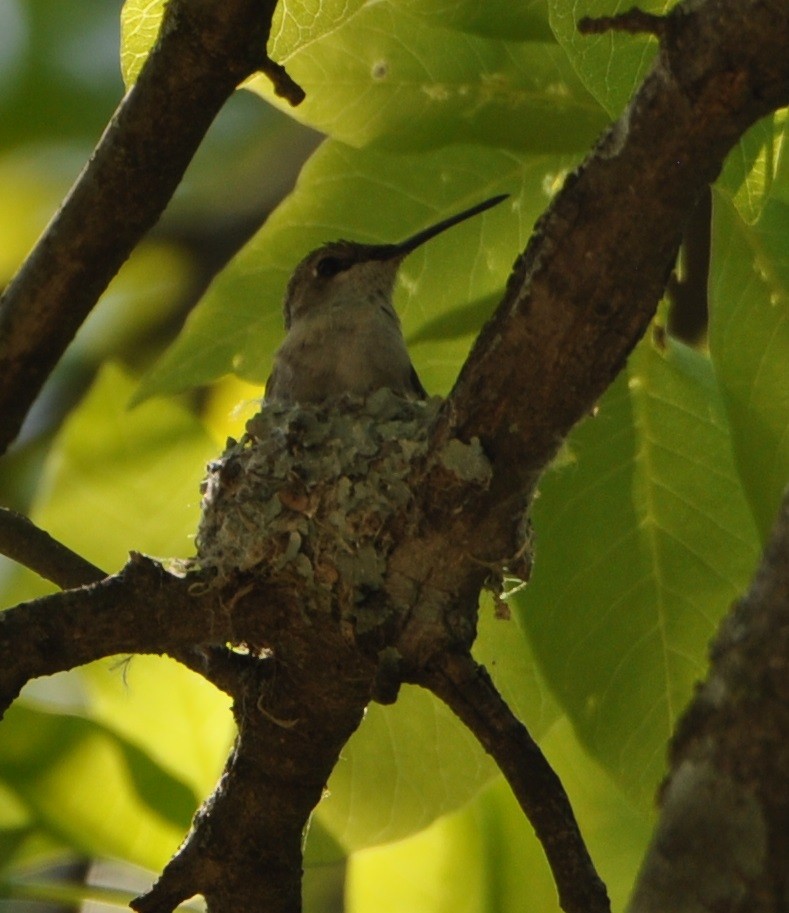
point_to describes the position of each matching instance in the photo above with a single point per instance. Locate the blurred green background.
(647, 528)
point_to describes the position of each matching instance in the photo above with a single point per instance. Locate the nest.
(308, 492)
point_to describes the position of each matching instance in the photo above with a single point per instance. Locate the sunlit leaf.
(642, 544)
(485, 857)
(749, 343)
(181, 721)
(612, 64)
(84, 784)
(298, 23)
(382, 75)
(115, 467)
(140, 21)
(413, 761)
(752, 166)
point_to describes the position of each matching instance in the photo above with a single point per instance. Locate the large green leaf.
(131, 477)
(181, 721)
(612, 64)
(412, 78)
(406, 82)
(754, 164)
(642, 543)
(445, 291)
(485, 857)
(86, 786)
(413, 761)
(749, 343)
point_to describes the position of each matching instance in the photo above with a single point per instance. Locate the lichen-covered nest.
(306, 494)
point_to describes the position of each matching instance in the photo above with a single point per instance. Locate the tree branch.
(634, 21)
(589, 281)
(722, 840)
(203, 52)
(467, 690)
(22, 541)
(142, 609)
(294, 710)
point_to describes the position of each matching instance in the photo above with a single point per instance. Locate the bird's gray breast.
(341, 350)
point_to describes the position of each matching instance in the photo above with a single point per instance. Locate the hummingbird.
(343, 334)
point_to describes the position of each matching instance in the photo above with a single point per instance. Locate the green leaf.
(298, 23)
(445, 290)
(524, 21)
(413, 761)
(182, 722)
(485, 857)
(642, 544)
(22, 842)
(64, 894)
(749, 344)
(381, 75)
(57, 766)
(140, 21)
(611, 65)
(133, 475)
(753, 165)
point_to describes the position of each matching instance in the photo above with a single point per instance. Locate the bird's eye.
(327, 267)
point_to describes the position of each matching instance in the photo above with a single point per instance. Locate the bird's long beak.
(396, 251)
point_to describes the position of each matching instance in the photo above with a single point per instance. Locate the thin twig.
(27, 544)
(634, 21)
(468, 691)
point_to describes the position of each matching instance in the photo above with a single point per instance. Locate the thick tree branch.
(722, 840)
(588, 284)
(468, 690)
(244, 850)
(27, 544)
(634, 21)
(142, 609)
(204, 51)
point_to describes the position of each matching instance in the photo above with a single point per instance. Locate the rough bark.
(722, 840)
(577, 302)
